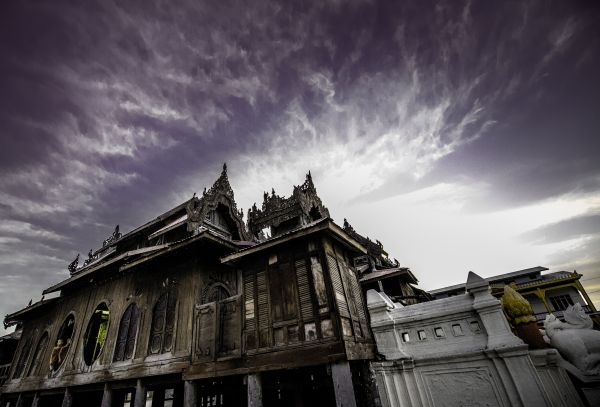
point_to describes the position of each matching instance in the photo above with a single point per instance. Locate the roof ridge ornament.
(220, 193)
(72, 267)
(303, 204)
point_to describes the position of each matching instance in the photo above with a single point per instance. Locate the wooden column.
(189, 394)
(254, 390)
(36, 400)
(107, 396)
(19, 401)
(342, 384)
(68, 398)
(140, 394)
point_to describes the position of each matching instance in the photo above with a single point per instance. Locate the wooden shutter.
(158, 324)
(306, 306)
(338, 288)
(204, 332)
(170, 318)
(132, 331)
(122, 335)
(230, 326)
(22, 359)
(263, 308)
(39, 352)
(249, 310)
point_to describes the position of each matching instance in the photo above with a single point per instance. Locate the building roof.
(325, 224)
(494, 279)
(16, 316)
(135, 257)
(388, 273)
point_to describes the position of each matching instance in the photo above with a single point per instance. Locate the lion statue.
(575, 339)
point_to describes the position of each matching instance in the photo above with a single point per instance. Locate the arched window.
(20, 366)
(127, 333)
(95, 334)
(216, 293)
(163, 321)
(63, 343)
(34, 369)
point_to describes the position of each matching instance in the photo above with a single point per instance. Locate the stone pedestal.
(254, 390)
(342, 384)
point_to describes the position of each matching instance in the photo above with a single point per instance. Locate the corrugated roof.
(493, 279)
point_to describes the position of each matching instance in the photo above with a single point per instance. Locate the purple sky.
(463, 135)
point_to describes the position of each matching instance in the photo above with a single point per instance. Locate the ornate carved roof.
(219, 195)
(375, 249)
(304, 205)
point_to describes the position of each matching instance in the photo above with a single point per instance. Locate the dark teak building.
(197, 308)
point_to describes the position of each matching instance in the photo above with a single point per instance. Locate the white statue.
(575, 339)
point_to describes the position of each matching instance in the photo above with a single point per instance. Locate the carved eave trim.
(89, 272)
(325, 224)
(17, 316)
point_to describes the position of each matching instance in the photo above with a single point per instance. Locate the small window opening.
(439, 332)
(457, 330)
(405, 337)
(475, 326)
(422, 335)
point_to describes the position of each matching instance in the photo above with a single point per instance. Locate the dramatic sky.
(463, 135)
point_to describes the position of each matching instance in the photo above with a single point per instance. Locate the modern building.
(198, 308)
(547, 293)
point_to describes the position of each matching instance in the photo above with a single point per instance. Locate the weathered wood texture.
(186, 313)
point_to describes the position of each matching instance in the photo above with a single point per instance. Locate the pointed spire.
(224, 169)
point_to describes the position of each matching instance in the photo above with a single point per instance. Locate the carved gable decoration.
(304, 205)
(217, 210)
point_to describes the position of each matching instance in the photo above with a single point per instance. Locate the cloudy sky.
(463, 135)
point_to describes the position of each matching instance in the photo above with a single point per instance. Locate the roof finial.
(224, 168)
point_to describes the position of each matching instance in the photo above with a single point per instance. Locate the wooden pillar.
(254, 390)
(68, 398)
(140, 394)
(342, 384)
(19, 400)
(36, 400)
(189, 394)
(107, 396)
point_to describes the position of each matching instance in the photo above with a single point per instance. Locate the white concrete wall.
(477, 360)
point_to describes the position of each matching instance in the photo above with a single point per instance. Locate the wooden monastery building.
(198, 308)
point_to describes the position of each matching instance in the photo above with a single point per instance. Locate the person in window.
(62, 354)
(55, 355)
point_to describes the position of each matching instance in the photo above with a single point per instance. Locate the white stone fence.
(460, 351)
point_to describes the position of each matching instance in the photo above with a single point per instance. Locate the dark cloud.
(111, 110)
(577, 227)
